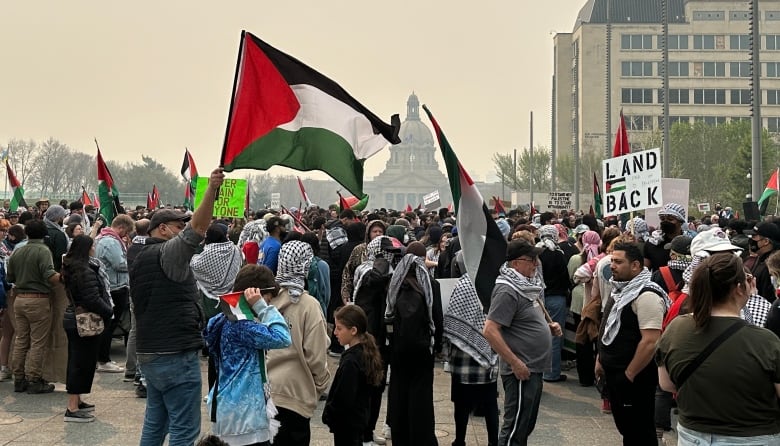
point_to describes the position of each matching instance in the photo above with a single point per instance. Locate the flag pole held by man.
(285, 113)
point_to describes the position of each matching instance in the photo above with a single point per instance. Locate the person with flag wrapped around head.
(299, 373)
(240, 402)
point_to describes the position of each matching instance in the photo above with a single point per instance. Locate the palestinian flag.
(303, 192)
(621, 139)
(85, 197)
(149, 201)
(484, 248)
(190, 174)
(155, 197)
(284, 113)
(235, 307)
(596, 197)
(109, 195)
(18, 191)
(771, 190)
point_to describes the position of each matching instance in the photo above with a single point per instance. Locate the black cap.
(680, 244)
(518, 248)
(766, 229)
(161, 216)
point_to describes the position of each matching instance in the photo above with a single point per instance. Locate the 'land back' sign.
(632, 182)
(231, 200)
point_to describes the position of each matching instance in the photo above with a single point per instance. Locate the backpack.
(411, 323)
(675, 295)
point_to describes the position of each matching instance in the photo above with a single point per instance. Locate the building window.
(709, 96)
(677, 96)
(773, 124)
(679, 120)
(640, 69)
(709, 42)
(772, 69)
(773, 97)
(709, 15)
(740, 97)
(639, 122)
(637, 96)
(772, 42)
(709, 69)
(678, 69)
(739, 69)
(739, 15)
(678, 42)
(740, 118)
(739, 42)
(772, 15)
(636, 41)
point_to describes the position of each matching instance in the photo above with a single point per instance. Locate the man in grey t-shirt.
(517, 329)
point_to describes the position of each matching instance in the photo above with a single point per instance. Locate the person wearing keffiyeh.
(630, 328)
(299, 373)
(410, 398)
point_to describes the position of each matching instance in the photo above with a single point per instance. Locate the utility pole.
(755, 100)
(665, 79)
(531, 161)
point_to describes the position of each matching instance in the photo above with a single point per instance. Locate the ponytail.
(372, 359)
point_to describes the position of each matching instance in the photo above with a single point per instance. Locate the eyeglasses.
(534, 260)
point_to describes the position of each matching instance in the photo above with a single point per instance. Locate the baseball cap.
(581, 229)
(162, 216)
(518, 248)
(680, 244)
(713, 240)
(766, 229)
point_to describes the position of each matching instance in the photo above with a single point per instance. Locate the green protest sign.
(231, 200)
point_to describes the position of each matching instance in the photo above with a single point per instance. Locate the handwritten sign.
(632, 182)
(230, 202)
(559, 200)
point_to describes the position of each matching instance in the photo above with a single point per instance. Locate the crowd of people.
(651, 307)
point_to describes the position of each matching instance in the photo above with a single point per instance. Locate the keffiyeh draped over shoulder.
(374, 250)
(294, 260)
(216, 268)
(464, 321)
(549, 238)
(624, 293)
(408, 262)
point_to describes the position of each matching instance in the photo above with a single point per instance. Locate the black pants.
(664, 401)
(410, 401)
(295, 429)
(347, 438)
(488, 406)
(82, 358)
(120, 298)
(633, 404)
(586, 363)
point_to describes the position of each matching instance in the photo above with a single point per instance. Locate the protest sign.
(675, 190)
(432, 200)
(231, 199)
(632, 182)
(559, 200)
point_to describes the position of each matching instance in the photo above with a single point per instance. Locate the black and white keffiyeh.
(549, 238)
(423, 279)
(215, 268)
(624, 293)
(373, 251)
(464, 321)
(531, 289)
(254, 231)
(294, 260)
(103, 274)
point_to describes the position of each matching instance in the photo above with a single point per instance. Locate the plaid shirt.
(468, 371)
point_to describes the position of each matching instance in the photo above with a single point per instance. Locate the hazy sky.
(151, 77)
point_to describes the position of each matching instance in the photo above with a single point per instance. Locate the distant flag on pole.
(596, 197)
(95, 200)
(109, 195)
(155, 197)
(17, 199)
(621, 139)
(772, 188)
(149, 201)
(483, 245)
(85, 197)
(409, 207)
(303, 193)
(190, 174)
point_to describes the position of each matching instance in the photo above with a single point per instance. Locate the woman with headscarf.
(582, 268)
(410, 399)
(299, 373)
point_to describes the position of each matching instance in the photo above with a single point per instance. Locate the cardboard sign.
(675, 190)
(559, 200)
(432, 200)
(231, 200)
(632, 182)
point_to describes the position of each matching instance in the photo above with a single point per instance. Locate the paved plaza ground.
(569, 415)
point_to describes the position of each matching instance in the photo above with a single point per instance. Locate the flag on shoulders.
(285, 113)
(771, 190)
(109, 195)
(483, 245)
(17, 199)
(235, 307)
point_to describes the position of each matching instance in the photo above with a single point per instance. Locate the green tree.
(536, 169)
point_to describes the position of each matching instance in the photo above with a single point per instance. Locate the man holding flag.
(169, 321)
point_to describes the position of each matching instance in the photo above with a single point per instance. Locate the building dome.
(413, 131)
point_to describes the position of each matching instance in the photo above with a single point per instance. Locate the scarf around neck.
(408, 262)
(109, 232)
(464, 321)
(294, 260)
(624, 293)
(531, 289)
(372, 252)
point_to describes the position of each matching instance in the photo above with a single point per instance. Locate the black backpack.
(411, 323)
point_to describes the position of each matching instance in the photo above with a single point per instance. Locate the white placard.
(675, 191)
(432, 200)
(632, 182)
(559, 200)
(276, 200)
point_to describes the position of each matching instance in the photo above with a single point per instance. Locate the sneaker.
(86, 407)
(20, 385)
(140, 391)
(137, 380)
(386, 432)
(39, 386)
(605, 406)
(109, 367)
(5, 373)
(78, 416)
(128, 378)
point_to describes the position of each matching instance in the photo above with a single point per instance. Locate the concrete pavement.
(569, 415)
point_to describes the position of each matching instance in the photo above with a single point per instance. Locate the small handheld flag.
(235, 307)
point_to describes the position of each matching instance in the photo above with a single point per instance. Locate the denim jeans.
(688, 437)
(556, 306)
(173, 400)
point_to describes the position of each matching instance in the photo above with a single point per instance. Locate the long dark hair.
(712, 283)
(77, 254)
(353, 316)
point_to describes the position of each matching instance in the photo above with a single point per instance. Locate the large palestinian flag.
(18, 191)
(285, 113)
(483, 246)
